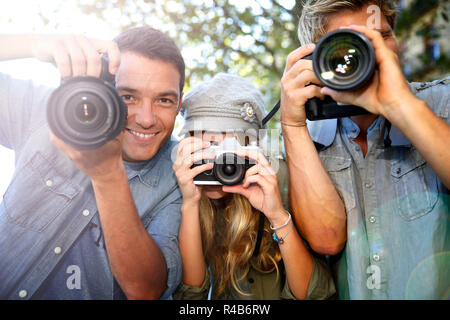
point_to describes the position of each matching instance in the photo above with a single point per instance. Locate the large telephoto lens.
(229, 169)
(86, 112)
(344, 59)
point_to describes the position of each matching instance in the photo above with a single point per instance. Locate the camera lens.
(229, 169)
(344, 60)
(86, 112)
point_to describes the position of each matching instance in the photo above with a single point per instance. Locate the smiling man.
(92, 224)
(153, 103)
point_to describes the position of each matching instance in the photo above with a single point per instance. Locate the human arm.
(190, 238)
(135, 259)
(388, 94)
(260, 187)
(316, 206)
(73, 55)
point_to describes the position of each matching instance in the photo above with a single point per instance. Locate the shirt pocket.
(37, 194)
(415, 188)
(339, 170)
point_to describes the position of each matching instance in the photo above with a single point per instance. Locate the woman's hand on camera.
(388, 88)
(75, 55)
(260, 187)
(185, 158)
(298, 84)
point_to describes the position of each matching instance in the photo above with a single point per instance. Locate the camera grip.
(105, 75)
(317, 109)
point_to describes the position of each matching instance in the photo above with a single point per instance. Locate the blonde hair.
(315, 14)
(229, 237)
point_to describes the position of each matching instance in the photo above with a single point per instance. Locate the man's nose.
(146, 116)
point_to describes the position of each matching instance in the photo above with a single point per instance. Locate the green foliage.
(250, 40)
(254, 39)
(427, 22)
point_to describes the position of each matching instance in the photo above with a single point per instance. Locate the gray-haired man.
(386, 205)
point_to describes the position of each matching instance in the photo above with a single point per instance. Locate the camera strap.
(261, 215)
(260, 233)
(271, 113)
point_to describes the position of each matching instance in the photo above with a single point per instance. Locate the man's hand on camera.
(75, 55)
(102, 165)
(388, 88)
(298, 84)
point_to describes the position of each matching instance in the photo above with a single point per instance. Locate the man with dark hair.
(92, 224)
(370, 189)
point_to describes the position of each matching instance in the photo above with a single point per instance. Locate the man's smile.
(141, 136)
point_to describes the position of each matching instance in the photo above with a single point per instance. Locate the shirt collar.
(324, 132)
(144, 171)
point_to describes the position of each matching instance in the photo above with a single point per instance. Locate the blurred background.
(246, 37)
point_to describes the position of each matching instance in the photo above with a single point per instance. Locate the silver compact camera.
(229, 168)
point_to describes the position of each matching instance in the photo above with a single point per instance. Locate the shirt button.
(85, 212)
(372, 219)
(23, 293)
(368, 185)
(57, 250)
(49, 183)
(376, 257)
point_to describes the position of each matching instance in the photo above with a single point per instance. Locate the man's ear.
(180, 102)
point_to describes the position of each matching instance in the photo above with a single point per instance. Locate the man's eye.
(128, 98)
(166, 101)
(386, 34)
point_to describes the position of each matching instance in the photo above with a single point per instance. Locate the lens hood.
(229, 169)
(344, 59)
(86, 112)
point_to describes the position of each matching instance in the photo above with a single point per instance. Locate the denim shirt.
(48, 211)
(398, 235)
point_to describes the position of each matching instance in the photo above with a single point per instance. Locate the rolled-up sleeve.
(186, 292)
(22, 110)
(321, 285)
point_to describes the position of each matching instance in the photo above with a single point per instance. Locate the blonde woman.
(219, 227)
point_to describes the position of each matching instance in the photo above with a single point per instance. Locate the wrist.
(112, 177)
(293, 126)
(190, 205)
(397, 112)
(294, 134)
(280, 219)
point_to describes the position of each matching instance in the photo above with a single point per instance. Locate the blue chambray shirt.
(398, 221)
(51, 244)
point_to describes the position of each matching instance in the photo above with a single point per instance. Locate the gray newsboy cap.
(223, 104)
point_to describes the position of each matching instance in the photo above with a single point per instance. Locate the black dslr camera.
(229, 169)
(344, 59)
(86, 112)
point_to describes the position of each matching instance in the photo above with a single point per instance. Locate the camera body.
(229, 168)
(87, 112)
(343, 59)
